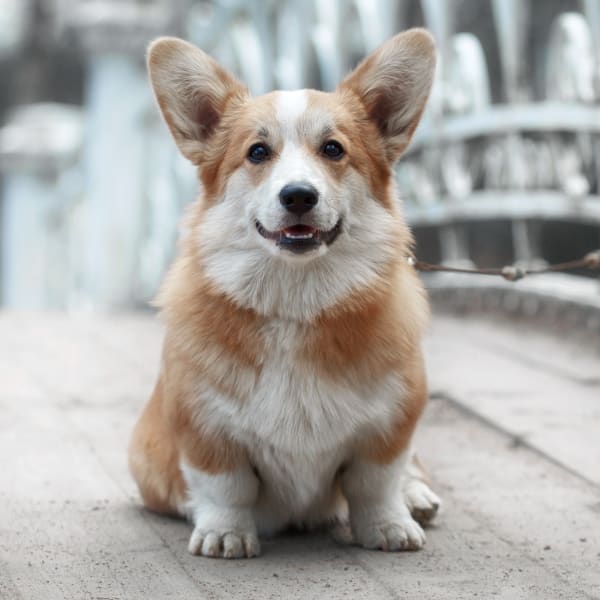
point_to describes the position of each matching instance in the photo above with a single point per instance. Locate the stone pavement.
(511, 436)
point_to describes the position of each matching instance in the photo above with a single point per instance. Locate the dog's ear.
(393, 83)
(192, 91)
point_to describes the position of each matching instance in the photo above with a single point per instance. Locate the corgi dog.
(291, 378)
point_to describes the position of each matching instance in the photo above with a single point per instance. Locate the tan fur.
(238, 130)
(386, 446)
(154, 458)
(375, 331)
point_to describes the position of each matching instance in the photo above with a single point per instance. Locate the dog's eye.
(332, 149)
(258, 153)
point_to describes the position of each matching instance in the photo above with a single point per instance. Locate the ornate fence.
(92, 194)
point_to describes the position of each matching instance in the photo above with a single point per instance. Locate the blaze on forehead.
(284, 115)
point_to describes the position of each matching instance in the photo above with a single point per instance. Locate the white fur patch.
(290, 107)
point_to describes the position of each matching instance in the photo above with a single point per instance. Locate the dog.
(291, 378)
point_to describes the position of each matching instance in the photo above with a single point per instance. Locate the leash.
(512, 272)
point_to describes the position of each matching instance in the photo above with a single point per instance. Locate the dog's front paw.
(224, 544)
(400, 532)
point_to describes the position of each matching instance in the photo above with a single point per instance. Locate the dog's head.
(297, 185)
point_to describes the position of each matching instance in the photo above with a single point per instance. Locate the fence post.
(114, 36)
(37, 146)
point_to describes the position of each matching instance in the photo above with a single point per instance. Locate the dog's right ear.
(192, 91)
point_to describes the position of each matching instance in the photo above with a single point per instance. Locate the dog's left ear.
(393, 83)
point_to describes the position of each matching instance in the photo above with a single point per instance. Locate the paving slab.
(516, 521)
(544, 391)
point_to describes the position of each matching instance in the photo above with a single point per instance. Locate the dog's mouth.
(300, 238)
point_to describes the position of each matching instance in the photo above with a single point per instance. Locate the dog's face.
(298, 178)
(295, 179)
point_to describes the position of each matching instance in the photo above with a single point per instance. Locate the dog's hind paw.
(421, 501)
(391, 536)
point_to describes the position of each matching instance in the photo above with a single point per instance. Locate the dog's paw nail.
(196, 541)
(211, 545)
(251, 545)
(232, 546)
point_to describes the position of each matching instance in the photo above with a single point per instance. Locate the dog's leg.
(379, 515)
(221, 506)
(422, 502)
(374, 482)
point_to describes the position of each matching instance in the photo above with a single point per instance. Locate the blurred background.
(504, 168)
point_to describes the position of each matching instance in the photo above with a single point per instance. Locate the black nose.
(298, 197)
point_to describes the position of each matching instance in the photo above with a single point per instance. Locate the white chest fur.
(299, 427)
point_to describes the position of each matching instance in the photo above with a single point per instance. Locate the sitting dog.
(292, 378)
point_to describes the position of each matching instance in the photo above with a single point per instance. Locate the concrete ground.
(512, 437)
